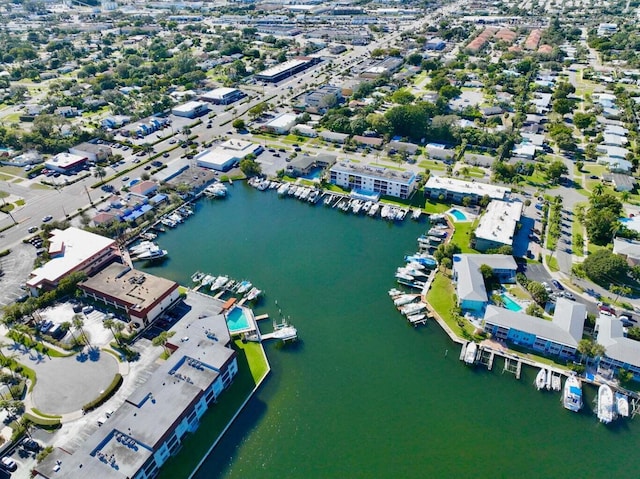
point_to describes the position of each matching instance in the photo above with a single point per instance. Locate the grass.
(40, 413)
(20, 203)
(552, 263)
(519, 293)
(576, 230)
(441, 297)
(39, 186)
(432, 165)
(462, 236)
(432, 206)
(252, 368)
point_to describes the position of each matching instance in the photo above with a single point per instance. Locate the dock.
(261, 317)
(513, 365)
(486, 358)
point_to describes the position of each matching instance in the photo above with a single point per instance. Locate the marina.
(385, 346)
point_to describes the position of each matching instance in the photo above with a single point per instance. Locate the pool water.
(510, 304)
(457, 214)
(314, 174)
(237, 321)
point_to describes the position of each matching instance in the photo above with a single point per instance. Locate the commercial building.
(191, 109)
(497, 225)
(558, 337)
(375, 179)
(71, 250)
(65, 162)
(152, 423)
(455, 190)
(141, 296)
(223, 96)
(320, 100)
(384, 67)
(92, 151)
(226, 154)
(287, 69)
(281, 125)
(470, 289)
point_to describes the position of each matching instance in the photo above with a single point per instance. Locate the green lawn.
(251, 369)
(432, 165)
(462, 235)
(552, 262)
(432, 206)
(441, 297)
(577, 229)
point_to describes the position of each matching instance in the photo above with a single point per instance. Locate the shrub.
(106, 394)
(48, 423)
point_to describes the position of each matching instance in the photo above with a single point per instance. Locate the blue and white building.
(470, 289)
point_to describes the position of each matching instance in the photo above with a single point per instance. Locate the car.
(569, 295)
(125, 178)
(281, 150)
(147, 167)
(594, 177)
(297, 148)
(165, 155)
(47, 218)
(33, 229)
(271, 150)
(136, 160)
(209, 126)
(156, 163)
(276, 155)
(8, 464)
(173, 141)
(125, 147)
(183, 145)
(557, 284)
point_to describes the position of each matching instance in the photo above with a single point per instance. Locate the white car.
(9, 464)
(47, 218)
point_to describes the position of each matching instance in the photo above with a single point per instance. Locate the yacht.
(572, 395)
(424, 260)
(219, 282)
(284, 187)
(606, 404)
(141, 247)
(356, 206)
(412, 308)
(253, 294)
(292, 190)
(373, 209)
(541, 379)
(328, 199)
(470, 353)
(216, 190)
(207, 280)
(415, 214)
(152, 253)
(243, 287)
(622, 404)
(404, 299)
(313, 196)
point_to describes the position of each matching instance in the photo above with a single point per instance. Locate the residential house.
(471, 292)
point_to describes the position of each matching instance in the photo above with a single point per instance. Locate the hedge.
(43, 422)
(110, 391)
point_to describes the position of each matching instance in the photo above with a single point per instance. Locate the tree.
(403, 97)
(534, 310)
(604, 268)
(238, 124)
(555, 170)
(250, 167)
(162, 339)
(598, 189)
(563, 106)
(78, 323)
(579, 165)
(538, 292)
(100, 173)
(583, 120)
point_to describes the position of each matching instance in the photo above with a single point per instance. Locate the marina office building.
(370, 178)
(456, 190)
(558, 337)
(153, 421)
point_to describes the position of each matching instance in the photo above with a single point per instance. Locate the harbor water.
(363, 394)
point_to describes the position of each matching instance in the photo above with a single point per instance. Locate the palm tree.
(598, 189)
(66, 326)
(624, 196)
(115, 327)
(100, 172)
(162, 339)
(78, 323)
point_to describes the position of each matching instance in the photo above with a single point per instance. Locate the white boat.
(415, 214)
(556, 382)
(216, 190)
(384, 213)
(606, 405)
(572, 394)
(243, 287)
(151, 254)
(141, 247)
(253, 294)
(305, 193)
(284, 187)
(169, 222)
(313, 196)
(548, 381)
(413, 272)
(470, 353)
(404, 299)
(219, 282)
(328, 199)
(393, 292)
(416, 318)
(622, 404)
(373, 209)
(292, 190)
(207, 280)
(541, 379)
(415, 265)
(406, 277)
(412, 308)
(197, 277)
(366, 206)
(356, 206)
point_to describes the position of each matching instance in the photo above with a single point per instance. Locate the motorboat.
(243, 287)
(412, 308)
(548, 382)
(216, 190)
(356, 206)
(424, 260)
(328, 199)
(393, 292)
(622, 404)
(141, 247)
(207, 280)
(416, 318)
(219, 282)
(470, 353)
(373, 210)
(415, 214)
(152, 253)
(413, 272)
(313, 196)
(556, 382)
(606, 406)
(292, 190)
(253, 294)
(404, 276)
(282, 190)
(197, 276)
(572, 394)
(541, 379)
(404, 299)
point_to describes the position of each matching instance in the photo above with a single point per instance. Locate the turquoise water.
(363, 394)
(237, 320)
(457, 214)
(314, 174)
(510, 304)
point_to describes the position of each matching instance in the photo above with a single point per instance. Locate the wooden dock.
(261, 317)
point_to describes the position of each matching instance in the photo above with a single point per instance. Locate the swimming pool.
(237, 321)
(457, 214)
(509, 303)
(314, 174)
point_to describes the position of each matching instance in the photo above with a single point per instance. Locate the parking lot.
(16, 267)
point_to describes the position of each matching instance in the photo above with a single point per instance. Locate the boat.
(207, 280)
(404, 299)
(393, 292)
(384, 213)
(152, 253)
(622, 404)
(416, 318)
(366, 206)
(424, 260)
(197, 277)
(219, 282)
(412, 272)
(292, 190)
(328, 199)
(216, 190)
(412, 308)
(169, 222)
(606, 405)
(470, 353)
(572, 394)
(373, 209)
(406, 277)
(356, 206)
(541, 379)
(253, 294)
(284, 187)
(141, 247)
(147, 235)
(415, 214)
(437, 232)
(243, 287)
(556, 382)
(314, 196)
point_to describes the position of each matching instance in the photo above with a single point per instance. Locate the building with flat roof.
(223, 96)
(455, 190)
(400, 184)
(226, 154)
(281, 125)
(93, 151)
(287, 69)
(322, 98)
(497, 225)
(470, 288)
(303, 165)
(191, 109)
(558, 337)
(142, 296)
(65, 162)
(71, 250)
(152, 423)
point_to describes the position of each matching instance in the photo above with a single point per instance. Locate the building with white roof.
(470, 289)
(222, 96)
(286, 69)
(93, 151)
(558, 337)
(281, 125)
(497, 225)
(191, 109)
(628, 248)
(455, 190)
(65, 162)
(226, 154)
(620, 351)
(355, 176)
(613, 151)
(154, 420)
(71, 250)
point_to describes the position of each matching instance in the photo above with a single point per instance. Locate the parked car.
(47, 218)
(8, 464)
(33, 229)
(156, 163)
(557, 284)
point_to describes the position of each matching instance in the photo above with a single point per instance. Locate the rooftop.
(611, 336)
(499, 221)
(467, 187)
(348, 167)
(470, 283)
